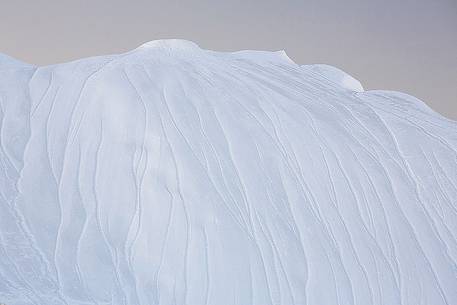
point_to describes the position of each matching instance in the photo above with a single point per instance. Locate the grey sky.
(403, 45)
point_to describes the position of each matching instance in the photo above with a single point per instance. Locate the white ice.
(176, 175)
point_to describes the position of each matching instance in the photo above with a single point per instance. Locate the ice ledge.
(336, 76)
(8, 62)
(269, 56)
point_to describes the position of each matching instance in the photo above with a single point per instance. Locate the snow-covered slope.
(176, 175)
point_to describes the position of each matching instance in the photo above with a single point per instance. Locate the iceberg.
(176, 175)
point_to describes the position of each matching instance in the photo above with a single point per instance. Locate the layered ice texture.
(176, 175)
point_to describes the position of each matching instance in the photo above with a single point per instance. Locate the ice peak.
(170, 44)
(187, 46)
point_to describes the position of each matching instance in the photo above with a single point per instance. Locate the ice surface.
(176, 175)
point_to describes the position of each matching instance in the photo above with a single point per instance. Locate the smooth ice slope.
(176, 175)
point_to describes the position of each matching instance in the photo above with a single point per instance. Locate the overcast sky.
(404, 45)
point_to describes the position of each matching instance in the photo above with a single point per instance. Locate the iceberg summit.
(176, 175)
